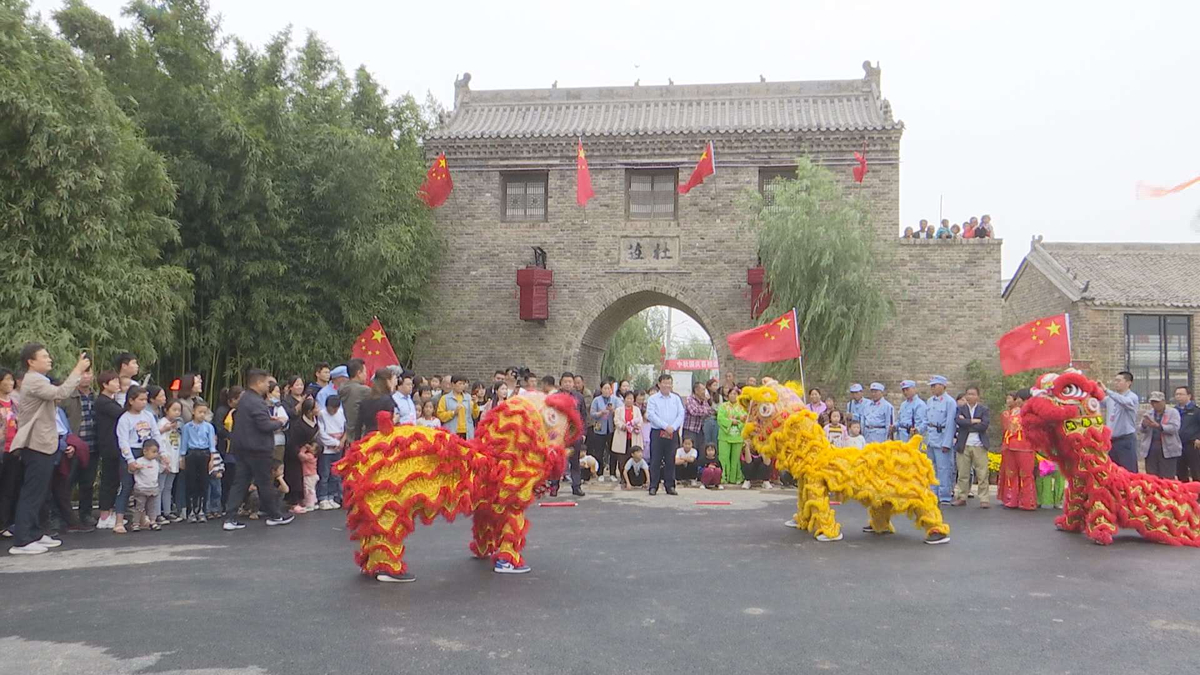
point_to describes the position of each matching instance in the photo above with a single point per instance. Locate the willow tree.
(821, 257)
(637, 342)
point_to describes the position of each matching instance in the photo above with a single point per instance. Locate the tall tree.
(821, 258)
(84, 207)
(636, 343)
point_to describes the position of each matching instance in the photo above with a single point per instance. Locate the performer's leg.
(823, 520)
(1074, 507)
(928, 516)
(383, 554)
(1026, 466)
(1100, 523)
(513, 528)
(485, 529)
(880, 517)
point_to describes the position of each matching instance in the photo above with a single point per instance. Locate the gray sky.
(1043, 114)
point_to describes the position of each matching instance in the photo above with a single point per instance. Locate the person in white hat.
(857, 404)
(910, 420)
(939, 436)
(878, 416)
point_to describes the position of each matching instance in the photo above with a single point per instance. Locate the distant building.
(512, 155)
(1133, 306)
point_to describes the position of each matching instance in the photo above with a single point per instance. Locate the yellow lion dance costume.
(890, 477)
(400, 473)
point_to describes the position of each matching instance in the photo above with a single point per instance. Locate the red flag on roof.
(437, 185)
(374, 348)
(706, 167)
(583, 177)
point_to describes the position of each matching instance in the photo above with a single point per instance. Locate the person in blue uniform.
(940, 411)
(878, 416)
(857, 404)
(911, 418)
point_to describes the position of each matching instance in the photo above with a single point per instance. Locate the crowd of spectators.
(973, 228)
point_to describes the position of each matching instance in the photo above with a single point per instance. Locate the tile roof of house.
(1126, 275)
(756, 107)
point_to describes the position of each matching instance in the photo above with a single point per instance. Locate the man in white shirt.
(664, 412)
(1120, 414)
(406, 408)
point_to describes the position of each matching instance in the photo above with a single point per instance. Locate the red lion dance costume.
(1063, 420)
(402, 473)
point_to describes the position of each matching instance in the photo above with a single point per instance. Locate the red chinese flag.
(860, 171)
(438, 184)
(706, 167)
(1042, 343)
(775, 341)
(373, 347)
(583, 177)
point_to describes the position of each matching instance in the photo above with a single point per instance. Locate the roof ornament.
(554, 85)
(871, 75)
(670, 82)
(637, 82)
(761, 78)
(462, 89)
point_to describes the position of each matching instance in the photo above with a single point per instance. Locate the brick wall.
(944, 289)
(1032, 295)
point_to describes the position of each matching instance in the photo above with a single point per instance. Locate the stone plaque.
(650, 252)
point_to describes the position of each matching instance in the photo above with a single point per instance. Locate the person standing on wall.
(665, 413)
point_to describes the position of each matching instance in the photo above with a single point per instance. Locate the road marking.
(68, 658)
(85, 558)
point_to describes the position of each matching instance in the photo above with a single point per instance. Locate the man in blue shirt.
(940, 413)
(337, 377)
(406, 409)
(665, 412)
(878, 416)
(1121, 407)
(910, 420)
(854, 409)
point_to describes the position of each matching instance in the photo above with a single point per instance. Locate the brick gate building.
(640, 244)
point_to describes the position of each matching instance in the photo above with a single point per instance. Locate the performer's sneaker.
(283, 520)
(792, 523)
(231, 525)
(395, 579)
(821, 537)
(937, 538)
(505, 567)
(870, 530)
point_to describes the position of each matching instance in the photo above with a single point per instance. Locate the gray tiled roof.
(1131, 275)
(835, 105)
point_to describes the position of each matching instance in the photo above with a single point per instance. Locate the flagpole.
(800, 356)
(1071, 359)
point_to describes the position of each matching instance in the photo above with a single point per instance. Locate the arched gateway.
(512, 155)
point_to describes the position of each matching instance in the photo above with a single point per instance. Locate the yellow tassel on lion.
(887, 478)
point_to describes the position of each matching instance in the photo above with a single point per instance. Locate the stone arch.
(603, 313)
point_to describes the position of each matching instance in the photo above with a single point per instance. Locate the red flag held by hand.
(374, 348)
(1041, 343)
(583, 177)
(774, 341)
(438, 184)
(860, 171)
(706, 167)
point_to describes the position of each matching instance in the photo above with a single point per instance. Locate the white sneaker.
(746, 485)
(767, 485)
(327, 506)
(791, 523)
(720, 487)
(32, 548)
(821, 537)
(49, 542)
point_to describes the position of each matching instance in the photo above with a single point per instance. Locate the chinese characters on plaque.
(651, 252)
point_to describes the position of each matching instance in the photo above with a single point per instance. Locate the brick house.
(1132, 306)
(512, 157)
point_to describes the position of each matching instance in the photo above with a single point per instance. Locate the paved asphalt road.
(622, 583)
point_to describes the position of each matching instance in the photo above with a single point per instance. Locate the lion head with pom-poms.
(1064, 415)
(767, 408)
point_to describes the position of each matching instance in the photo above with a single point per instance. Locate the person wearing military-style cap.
(910, 419)
(337, 377)
(854, 409)
(878, 417)
(940, 411)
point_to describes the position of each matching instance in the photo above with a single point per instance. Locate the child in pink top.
(308, 466)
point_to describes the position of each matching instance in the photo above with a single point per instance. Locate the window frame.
(524, 176)
(766, 174)
(1143, 385)
(630, 173)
